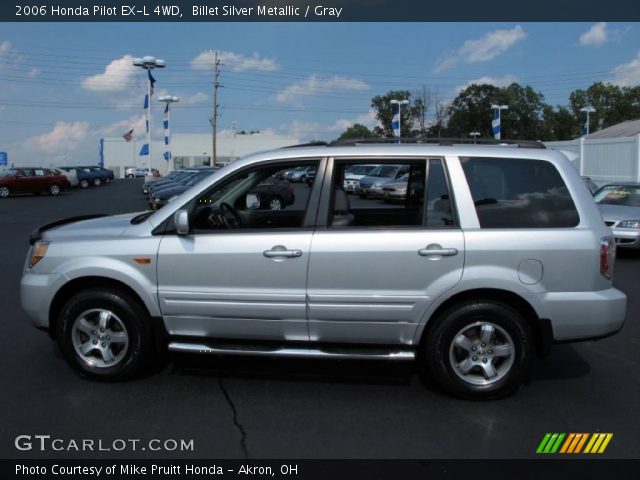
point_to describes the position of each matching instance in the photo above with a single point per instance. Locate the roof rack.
(439, 141)
(309, 144)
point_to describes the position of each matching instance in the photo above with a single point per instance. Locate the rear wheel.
(4, 191)
(84, 183)
(97, 182)
(54, 189)
(276, 203)
(105, 334)
(479, 349)
(130, 176)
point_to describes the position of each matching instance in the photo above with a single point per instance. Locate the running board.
(296, 352)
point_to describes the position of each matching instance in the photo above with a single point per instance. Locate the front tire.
(84, 183)
(54, 189)
(479, 349)
(4, 192)
(104, 334)
(97, 182)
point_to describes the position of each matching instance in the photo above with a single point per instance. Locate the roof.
(629, 128)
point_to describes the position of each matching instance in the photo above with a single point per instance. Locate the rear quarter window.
(519, 193)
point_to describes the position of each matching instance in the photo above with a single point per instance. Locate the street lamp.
(148, 63)
(393, 127)
(588, 109)
(168, 100)
(475, 135)
(496, 124)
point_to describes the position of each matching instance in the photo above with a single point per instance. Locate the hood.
(619, 212)
(101, 227)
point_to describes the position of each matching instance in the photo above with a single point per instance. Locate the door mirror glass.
(252, 201)
(181, 220)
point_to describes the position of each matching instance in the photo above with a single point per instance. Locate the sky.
(64, 86)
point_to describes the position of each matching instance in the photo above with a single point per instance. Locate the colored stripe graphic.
(573, 443)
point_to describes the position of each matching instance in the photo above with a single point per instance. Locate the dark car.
(32, 180)
(171, 176)
(103, 174)
(160, 197)
(274, 194)
(86, 176)
(179, 179)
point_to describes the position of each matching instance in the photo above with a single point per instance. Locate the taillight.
(607, 256)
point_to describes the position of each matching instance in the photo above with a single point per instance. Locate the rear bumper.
(579, 316)
(626, 237)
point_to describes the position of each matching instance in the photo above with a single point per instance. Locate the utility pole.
(214, 119)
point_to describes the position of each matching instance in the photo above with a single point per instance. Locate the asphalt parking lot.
(278, 408)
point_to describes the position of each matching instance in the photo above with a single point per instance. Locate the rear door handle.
(280, 251)
(437, 250)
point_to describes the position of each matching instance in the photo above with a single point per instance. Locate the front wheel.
(276, 203)
(54, 189)
(84, 183)
(4, 191)
(97, 182)
(479, 349)
(105, 335)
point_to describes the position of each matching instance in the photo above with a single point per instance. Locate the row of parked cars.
(51, 180)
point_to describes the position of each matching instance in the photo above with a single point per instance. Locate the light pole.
(496, 124)
(588, 109)
(148, 63)
(399, 103)
(474, 135)
(168, 100)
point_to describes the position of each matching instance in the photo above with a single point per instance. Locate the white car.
(353, 174)
(71, 175)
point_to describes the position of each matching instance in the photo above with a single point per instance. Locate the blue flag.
(495, 125)
(101, 153)
(152, 80)
(144, 150)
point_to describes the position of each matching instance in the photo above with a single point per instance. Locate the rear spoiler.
(37, 233)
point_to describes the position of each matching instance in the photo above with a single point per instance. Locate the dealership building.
(189, 150)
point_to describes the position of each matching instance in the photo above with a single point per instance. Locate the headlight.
(402, 190)
(38, 252)
(629, 224)
(376, 185)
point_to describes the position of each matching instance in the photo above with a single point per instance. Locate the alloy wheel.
(99, 338)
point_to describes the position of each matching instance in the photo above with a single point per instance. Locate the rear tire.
(104, 334)
(479, 349)
(4, 192)
(54, 189)
(97, 182)
(84, 183)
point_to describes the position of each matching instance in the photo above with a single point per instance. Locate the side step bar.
(296, 352)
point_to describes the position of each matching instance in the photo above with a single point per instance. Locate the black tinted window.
(519, 193)
(439, 210)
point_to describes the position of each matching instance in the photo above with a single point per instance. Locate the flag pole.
(149, 121)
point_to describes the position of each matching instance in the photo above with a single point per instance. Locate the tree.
(613, 104)
(384, 113)
(422, 104)
(356, 130)
(471, 111)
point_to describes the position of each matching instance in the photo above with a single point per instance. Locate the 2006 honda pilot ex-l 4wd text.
(494, 253)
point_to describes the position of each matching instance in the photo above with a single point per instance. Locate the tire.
(124, 319)
(54, 189)
(276, 203)
(489, 339)
(4, 191)
(130, 176)
(84, 183)
(97, 182)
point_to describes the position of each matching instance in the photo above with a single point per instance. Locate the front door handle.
(436, 250)
(280, 251)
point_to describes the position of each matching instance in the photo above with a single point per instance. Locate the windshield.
(618, 195)
(385, 171)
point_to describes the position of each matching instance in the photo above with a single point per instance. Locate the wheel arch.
(541, 328)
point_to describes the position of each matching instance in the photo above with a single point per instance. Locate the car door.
(242, 282)
(25, 181)
(375, 269)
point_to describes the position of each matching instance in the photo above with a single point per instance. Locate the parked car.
(620, 208)
(85, 178)
(353, 174)
(180, 179)
(301, 174)
(395, 189)
(71, 175)
(155, 180)
(162, 196)
(274, 194)
(377, 177)
(105, 175)
(135, 172)
(32, 180)
(593, 188)
(503, 253)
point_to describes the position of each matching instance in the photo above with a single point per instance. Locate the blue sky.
(63, 86)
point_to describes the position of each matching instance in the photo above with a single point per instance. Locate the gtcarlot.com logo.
(573, 443)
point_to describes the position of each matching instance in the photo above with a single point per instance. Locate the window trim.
(452, 199)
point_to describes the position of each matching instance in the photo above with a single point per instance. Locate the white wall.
(605, 160)
(119, 154)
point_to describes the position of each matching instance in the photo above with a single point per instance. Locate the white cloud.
(33, 72)
(64, 137)
(119, 128)
(367, 119)
(482, 49)
(326, 131)
(195, 99)
(627, 74)
(314, 85)
(497, 81)
(594, 37)
(117, 76)
(236, 62)
(5, 48)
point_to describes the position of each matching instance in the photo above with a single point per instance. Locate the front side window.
(258, 198)
(519, 193)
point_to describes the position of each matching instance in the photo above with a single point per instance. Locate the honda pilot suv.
(493, 254)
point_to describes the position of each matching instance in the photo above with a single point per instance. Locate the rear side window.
(519, 193)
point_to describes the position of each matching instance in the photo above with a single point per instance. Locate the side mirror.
(181, 220)
(252, 201)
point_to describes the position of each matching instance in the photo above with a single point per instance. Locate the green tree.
(613, 104)
(384, 113)
(357, 130)
(471, 111)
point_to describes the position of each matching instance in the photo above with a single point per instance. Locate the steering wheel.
(230, 217)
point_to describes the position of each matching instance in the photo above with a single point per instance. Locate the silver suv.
(493, 254)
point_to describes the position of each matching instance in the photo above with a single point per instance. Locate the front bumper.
(583, 315)
(626, 237)
(36, 294)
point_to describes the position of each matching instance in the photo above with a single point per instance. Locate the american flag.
(128, 136)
